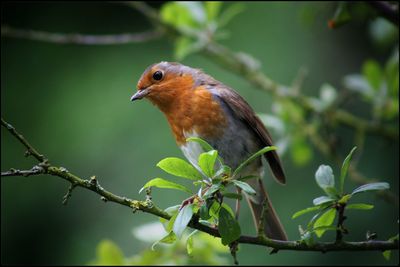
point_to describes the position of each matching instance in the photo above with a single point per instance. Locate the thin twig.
(261, 221)
(68, 194)
(31, 150)
(76, 38)
(36, 170)
(340, 228)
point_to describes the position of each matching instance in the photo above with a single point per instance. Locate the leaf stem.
(340, 228)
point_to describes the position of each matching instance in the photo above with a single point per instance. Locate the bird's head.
(162, 83)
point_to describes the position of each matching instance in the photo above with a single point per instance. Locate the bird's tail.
(272, 225)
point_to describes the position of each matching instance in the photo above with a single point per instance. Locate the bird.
(197, 105)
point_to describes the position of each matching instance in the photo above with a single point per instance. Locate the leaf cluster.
(214, 180)
(334, 202)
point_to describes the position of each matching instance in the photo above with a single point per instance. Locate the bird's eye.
(158, 75)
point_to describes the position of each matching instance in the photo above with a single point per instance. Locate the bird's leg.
(237, 209)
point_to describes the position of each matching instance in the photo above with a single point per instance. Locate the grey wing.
(244, 112)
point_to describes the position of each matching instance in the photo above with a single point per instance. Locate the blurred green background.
(72, 103)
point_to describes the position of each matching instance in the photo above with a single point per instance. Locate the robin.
(197, 105)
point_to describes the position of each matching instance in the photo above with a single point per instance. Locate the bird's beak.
(140, 94)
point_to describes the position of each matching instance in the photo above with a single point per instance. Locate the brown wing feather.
(244, 112)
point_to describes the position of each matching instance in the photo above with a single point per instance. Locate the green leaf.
(204, 214)
(386, 254)
(304, 211)
(373, 73)
(332, 192)
(229, 13)
(253, 157)
(245, 187)
(300, 151)
(206, 146)
(359, 206)
(168, 239)
(108, 253)
(182, 220)
(345, 167)
(173, 211)
(228, 227)
(290, 111)
(196, 9)
(214, 188)
(226, 206)
(395, 237)
(207, 162)
(162, 183)
(324, 177)
(216, 180)
(325, 228)
(183, 47)
(195, 207)
(180, 168)
(214, 209)
(178, 15)
(189, 243)
(224, 170)
(326, 219)
(313, 219)
(370, 187)
(344, 199)
(321, 200)
(391, 108)
(199, 183)
(171, 222)
(212, 9)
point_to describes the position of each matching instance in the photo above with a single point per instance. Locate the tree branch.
(31, 151)
(147, 206)
(239, 63)
(36, 170)
(76, 38)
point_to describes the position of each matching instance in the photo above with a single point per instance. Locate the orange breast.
(195, 110)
